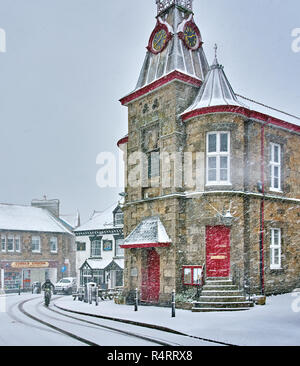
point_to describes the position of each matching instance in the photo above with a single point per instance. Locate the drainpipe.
(262, 208)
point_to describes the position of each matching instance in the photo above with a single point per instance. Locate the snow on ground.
(16, 329)
(275, 324)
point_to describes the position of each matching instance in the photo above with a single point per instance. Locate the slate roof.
(100, 221)
(175, 56)
(28, 218)
(216, 90)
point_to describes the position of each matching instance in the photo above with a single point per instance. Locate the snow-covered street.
(64, 329)
(19, 330)
(275, 324)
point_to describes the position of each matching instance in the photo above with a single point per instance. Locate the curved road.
(27, 322)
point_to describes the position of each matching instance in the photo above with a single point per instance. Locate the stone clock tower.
(175, 66)
(209, 177)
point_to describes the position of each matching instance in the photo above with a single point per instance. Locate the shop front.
(15, 275)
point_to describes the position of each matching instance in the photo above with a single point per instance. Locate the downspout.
(262, 208)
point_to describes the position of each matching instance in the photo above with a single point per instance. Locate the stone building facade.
(219, 172)
(35, 245)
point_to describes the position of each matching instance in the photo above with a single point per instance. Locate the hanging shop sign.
(107, 245)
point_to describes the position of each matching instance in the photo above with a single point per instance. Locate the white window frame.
(273, 165)
(94, 252)
(39, 240)
(218, 155)
(119, 251)
(10, 237)
(3, 248)
(18, 239)
(275, 246)
(53, 238)
(119, 218)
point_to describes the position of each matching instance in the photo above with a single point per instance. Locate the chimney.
(51, 205)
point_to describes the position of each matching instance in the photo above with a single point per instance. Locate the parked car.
(66, 285)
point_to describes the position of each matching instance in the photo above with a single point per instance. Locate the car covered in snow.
(66, 285)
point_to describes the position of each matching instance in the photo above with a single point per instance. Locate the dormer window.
(118, 217)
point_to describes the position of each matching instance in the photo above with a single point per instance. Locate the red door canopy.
(151, 278)
(217, 251)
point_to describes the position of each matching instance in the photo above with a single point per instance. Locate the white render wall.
(82, 256)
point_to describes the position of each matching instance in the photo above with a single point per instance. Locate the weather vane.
(216, 50)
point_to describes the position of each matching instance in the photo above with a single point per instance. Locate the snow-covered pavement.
(275, 324)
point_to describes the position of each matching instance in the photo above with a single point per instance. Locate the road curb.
(132, 322)
(145, 325)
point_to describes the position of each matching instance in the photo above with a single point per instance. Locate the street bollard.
(136, 300)
(90, 294)
(96, 296)
(19, 289)
(85, 293)
(173, 304)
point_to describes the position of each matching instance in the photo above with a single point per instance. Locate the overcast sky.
(68, 62)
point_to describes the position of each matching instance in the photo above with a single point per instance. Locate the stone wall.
(65, 245)
(186, 210)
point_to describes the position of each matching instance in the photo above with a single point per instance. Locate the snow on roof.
(28, 218)
(103, 263)
(100, 221)
(216, 90)
(273, 112)
(150, 231)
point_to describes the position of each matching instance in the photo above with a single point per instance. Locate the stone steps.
(224, 304)
(208, 309)
(220, 294)
(218, 283)
(219, 287)
(222, 298)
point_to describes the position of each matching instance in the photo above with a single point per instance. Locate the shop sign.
(30, 264)
(107, 245)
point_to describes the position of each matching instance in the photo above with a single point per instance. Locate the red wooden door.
(217, 251)
(151, 278)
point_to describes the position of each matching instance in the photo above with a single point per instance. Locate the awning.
(149, 233)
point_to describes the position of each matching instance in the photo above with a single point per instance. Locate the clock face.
(191, 38)
(159, 40)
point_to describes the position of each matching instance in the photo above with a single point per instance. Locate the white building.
(99, 257)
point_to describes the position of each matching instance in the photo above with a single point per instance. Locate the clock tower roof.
(174, 48)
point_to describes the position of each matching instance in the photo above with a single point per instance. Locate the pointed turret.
(175, 44)
(216, 90)
(174, 50)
